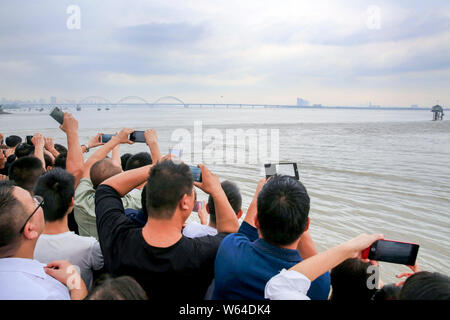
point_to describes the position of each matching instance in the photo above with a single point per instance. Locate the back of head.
(144, 200)
(23, 150)
(426, 285)
(11, 217)
(102, 170)
(60, 148)
(25, 172)
(138, 160)
(121, 288)
(48, 161)
(167, 184)
(123, 160)
(13, 141)
(349, 281)
(283, 208)
(387, 292)
(60, 161)
(57, 188)
(233, 195)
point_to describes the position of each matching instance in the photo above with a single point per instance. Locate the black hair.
(23, 150)
(283, 208)
(25, 172)
(144, 201)
(57, 187)
(11, 218)
(167, 184)
(102, 170)
(60, 161)
(387, 292)
(48, 161)
(123, 160)
(234, 198)
(426, 285)
(60, 148)
(13, 141)
(121, 288)
(349, 281)
(138, 160)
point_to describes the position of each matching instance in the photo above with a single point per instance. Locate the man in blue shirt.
(273, 236)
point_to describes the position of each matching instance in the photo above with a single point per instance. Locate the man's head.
(426, 285)
(123, 160)
(60, 148)
(60, 161)
(57, 189)
(48, 162)
(170, 188)
(16, 207)
(25, 172)
(23, 150)
(283, 208)
(138, 160)
(13, 141)
(102, 170)
(234, 198)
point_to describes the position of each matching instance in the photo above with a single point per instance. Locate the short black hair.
(426, 285)
(13, 141)
(60, 161)
(123, 160)
(23, 150)
(283, 208)
(349, 281)
(138, 160)
(121, 288)
(48, 161)
(25, 172)
(167, 184)
(60, 148)
(144, 201)
(102, 170)
(57, 187)
(234, 198)
(11, 218)
(387, 292)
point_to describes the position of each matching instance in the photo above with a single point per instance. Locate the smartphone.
(196, 173)
(28, 140)
(175, 152)
(392, 251)
(106, 137)
(287, 169)
(57, 114)
(197, 206)
(137, 136)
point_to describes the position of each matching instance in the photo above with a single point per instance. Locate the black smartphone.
(393, 252)
(106, 137)
(196, 173)
(28, 140)
(175, 152)
(57, 114)
(287, 169)
(137, 136)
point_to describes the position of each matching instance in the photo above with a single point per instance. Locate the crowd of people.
(114, 227)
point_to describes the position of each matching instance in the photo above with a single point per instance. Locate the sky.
(389, 53)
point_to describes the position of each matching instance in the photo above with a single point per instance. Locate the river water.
(367, 171)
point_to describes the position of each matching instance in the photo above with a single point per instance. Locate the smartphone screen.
(28, 140)
(106, 137)
(287, 169)
(175, 152)
(196, 173)
(58, 115)
(197, 206)
(137, 136)
(394, 252)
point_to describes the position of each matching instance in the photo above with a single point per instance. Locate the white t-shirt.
(194, 230)
(82, 252)
(287, 285)
(25, 279)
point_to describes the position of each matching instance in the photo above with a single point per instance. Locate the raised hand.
(124, 136)
(70, 124)
(210, 182)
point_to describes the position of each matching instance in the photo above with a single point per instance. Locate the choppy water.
(365, 170)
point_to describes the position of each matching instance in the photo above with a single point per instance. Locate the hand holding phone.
(138, 136)
(104, 138)
(58, 115)
(196, 173)
(175, 152)
(28, 140)
(392, 251)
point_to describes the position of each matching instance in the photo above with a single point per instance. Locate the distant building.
(52, 100)
(317, 105)
(302, 102)
(414, 106)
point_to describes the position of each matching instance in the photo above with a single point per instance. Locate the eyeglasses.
(40, 201)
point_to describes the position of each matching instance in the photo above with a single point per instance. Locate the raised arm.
(252, 210)
(39, 142)
(226, 220)
(75, 160)
(50, 147)
(126, 181)
(116, 156)
(101, 153)
(151, 138)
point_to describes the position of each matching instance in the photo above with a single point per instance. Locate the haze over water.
(365, 170)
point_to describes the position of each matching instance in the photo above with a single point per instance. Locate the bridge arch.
(181, 102)
(132, 97)
(94, 98)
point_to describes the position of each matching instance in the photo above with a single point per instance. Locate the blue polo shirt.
(244, 264)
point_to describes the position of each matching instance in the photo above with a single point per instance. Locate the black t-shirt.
(181, 271)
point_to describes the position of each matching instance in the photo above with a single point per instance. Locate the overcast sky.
(233, 51)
